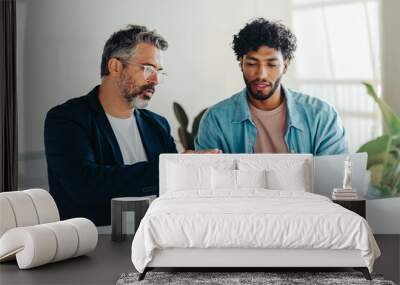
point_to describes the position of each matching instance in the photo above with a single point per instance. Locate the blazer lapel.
(147, 135)
(104, 125)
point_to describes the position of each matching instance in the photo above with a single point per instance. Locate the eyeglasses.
(149, 70)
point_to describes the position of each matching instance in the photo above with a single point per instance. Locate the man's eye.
(149, 68)
(250, 63)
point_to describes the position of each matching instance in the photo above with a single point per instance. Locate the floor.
(110, 260)
(102, 266)
(389, 262)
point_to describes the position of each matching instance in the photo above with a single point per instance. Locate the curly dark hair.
(263, 32)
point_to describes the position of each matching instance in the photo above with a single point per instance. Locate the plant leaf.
(376, 174)
(196, 123)
(376, 149)
(185, 138)
(180, 114)
(392, 121)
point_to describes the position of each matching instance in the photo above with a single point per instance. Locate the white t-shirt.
(129, 140)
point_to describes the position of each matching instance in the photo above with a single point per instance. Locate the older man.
(105, 144)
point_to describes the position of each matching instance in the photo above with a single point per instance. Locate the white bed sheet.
(251, 218)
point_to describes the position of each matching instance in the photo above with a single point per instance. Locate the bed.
(245, 211)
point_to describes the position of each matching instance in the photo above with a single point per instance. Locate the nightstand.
(123, 205)
(357, 206)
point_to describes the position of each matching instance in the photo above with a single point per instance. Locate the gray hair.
(122, 44)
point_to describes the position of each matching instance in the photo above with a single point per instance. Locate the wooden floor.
(110, 260)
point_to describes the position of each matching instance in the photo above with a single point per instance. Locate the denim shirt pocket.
(296, 141)
(251, 136)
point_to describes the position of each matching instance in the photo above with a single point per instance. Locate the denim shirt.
(313, 126)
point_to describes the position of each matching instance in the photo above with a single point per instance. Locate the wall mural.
(383, 153)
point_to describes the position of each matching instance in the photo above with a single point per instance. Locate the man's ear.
(114, 66)
(241, 63)
(286, 63)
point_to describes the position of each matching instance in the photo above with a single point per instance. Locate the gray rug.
(242, 278)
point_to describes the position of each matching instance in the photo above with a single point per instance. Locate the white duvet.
(252, 218)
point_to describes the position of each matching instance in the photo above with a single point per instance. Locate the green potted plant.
(384, 153)
(186, 137)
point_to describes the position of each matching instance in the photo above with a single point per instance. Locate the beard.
(139, 103)
(259, 95)
(135, 95)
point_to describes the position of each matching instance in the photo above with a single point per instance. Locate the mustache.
(259, 81)
(148, 87)
(257, 96)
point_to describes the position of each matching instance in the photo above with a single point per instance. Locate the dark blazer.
(84, 161)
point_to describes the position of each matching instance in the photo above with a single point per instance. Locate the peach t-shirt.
(271, 129)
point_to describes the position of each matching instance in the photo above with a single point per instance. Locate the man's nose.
(262, 72)
(154, 78)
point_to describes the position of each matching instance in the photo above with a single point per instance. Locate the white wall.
(391, 53)
(384, 214)
(60, 45)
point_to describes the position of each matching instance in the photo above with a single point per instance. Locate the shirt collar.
(243, 110)
(294, 116)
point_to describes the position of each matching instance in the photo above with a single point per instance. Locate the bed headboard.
(218, 159)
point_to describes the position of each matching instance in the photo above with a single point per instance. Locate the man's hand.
(213, 151)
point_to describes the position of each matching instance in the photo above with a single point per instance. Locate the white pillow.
(227, 179)
(293, 178)
(183, 177)
(282, 174)
(223, 179)
(251, 178)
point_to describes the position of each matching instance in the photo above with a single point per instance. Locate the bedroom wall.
(383, 214)
(60, 45)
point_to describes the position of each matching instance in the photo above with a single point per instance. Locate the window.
(338, 48)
